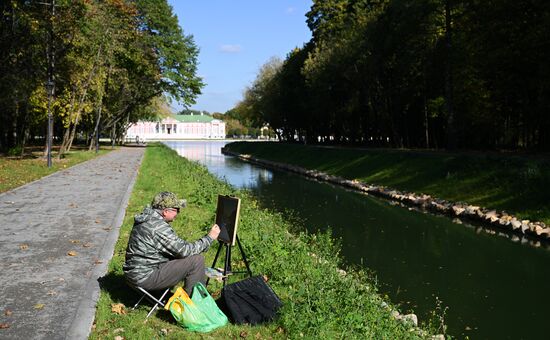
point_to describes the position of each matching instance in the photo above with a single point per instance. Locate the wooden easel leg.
(215, 260)
(227, 265)
(244, 256)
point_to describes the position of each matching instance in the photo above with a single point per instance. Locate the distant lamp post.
(50, 87)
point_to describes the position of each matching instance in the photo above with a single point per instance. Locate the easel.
(227, 218)
(227, 264)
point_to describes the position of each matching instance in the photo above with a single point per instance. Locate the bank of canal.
(493, 288)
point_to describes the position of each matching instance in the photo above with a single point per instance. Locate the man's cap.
(165, 199)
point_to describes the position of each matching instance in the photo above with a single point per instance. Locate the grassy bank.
(319, 301)
(16, 171)
(514, 183)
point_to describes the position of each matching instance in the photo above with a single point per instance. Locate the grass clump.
(515, 183)
(320, 301)
(16, 171)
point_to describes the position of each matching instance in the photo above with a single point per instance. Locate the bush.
(15, 151)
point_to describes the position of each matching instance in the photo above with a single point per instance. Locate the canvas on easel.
(227, 218)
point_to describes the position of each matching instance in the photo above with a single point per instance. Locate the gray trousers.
(168, 274)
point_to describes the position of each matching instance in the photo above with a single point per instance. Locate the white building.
(178, 127)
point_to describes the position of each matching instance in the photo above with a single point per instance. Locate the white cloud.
(290, 10)
(230, 48)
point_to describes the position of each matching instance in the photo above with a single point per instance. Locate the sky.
(235, 39)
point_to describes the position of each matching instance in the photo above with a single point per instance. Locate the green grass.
(319, 302)
(515, 183)
(15, 171)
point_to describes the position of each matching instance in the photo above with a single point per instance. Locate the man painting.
(156, 258)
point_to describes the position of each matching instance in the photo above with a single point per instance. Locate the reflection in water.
(235, 172)
(492, 286)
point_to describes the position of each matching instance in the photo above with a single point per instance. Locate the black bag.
(249, 301)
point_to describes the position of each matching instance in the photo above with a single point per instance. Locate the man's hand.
(214, 232)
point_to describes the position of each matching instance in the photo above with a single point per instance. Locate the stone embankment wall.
(492, 218)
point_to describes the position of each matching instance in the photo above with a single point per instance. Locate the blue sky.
(235, 39)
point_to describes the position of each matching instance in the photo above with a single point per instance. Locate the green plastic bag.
(198, 314)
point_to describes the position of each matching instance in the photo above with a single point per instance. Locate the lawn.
(320, 300)
(513, 182)
(16, 171)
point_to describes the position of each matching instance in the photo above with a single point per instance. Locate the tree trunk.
(451, 129)
(64, 142)
(426, 130)
(66, 134)
(113, 135)
(96, 129)
(73, 131)
(25, 129)
(67, 143)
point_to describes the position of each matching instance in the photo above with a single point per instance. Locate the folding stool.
(152, 299)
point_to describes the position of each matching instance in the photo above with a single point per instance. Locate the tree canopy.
(423, 74)
(114, 62)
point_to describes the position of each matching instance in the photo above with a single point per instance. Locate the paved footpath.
(57, 236)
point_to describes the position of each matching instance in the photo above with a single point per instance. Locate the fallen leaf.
(98, 261)
(39, 306)
(8, 312)
(118, 330)
(51, 292)
(97, 221)
(118, 308)
(4, 325)
(107, 228)
(243, 334)
(87, 245)
(23, 246)
(72, 253)
(280, 330)
(118, 337)
(265, 278)
(75, 241)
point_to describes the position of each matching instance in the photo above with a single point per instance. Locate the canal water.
(493, 288)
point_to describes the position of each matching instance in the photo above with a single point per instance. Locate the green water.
(494, 288)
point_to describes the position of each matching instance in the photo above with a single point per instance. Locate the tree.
(175, 53)
(115, 62)
(259, 105)
(431, 73)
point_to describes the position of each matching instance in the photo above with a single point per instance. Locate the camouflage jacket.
(153, 242)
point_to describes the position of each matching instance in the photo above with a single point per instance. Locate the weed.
(436, 321)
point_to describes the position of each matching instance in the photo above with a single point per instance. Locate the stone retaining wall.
(493, 218)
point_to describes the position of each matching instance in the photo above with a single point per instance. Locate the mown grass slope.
(320, 302)
(515, 183)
